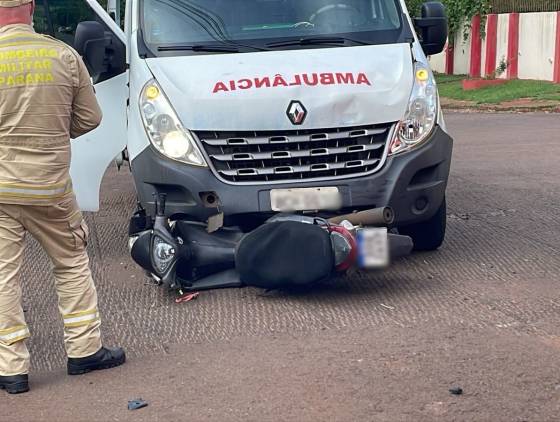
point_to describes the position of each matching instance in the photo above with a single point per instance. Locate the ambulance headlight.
(421, 114)
(165, 131)
(174, 145)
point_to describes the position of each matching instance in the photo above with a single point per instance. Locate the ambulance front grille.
(290, 156)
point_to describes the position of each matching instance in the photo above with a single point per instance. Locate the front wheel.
(428, 235)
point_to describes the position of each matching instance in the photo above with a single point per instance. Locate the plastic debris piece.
(215, 223)
(137, 404)
(187, 297)
(456, 391)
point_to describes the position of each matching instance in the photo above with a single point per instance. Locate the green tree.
(459, 12)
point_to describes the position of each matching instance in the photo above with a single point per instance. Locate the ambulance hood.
(347, 86)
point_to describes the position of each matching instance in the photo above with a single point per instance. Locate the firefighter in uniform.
(46, 98)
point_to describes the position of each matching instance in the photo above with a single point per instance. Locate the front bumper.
(413, 184)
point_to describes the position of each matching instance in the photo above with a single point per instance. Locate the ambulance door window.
(59, 18)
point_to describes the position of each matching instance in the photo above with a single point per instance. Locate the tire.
(428, 235)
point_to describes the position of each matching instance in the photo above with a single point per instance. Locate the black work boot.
(105, 358)
(15, 384)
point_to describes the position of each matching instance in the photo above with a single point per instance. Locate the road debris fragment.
(187, 297)
(137, 404)
(457, 391)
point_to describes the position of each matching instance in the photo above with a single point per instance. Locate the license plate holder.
(373, 247)
(305, 199)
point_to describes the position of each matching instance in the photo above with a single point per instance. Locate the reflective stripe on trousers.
(34, 191)
(81, 318)
(12, 335)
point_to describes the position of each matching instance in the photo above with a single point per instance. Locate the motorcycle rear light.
(344, 246)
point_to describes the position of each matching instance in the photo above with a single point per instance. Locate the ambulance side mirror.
(103, 52)
(90, 43)
(432, 27)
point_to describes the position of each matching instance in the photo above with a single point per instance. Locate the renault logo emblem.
(296, 113)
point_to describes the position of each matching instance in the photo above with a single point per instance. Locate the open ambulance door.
(86, 26)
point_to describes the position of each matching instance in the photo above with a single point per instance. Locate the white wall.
(437, 62)
(537, 47)
(483, 53)
(462, 54)
(502, 41)
(537, 38)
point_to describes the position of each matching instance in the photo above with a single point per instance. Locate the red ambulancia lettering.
(362, 79)
(259, 83)
(301, 79)
(327, 79)
(345, 78)
(279, 81)
(313, 82)
(245, 83)
(220, 86)
(296, 81)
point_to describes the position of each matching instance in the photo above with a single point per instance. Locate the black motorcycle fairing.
(141, 251)
(284, 254)
(204, 253)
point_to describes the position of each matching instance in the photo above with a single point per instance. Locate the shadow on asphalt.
(343, 287)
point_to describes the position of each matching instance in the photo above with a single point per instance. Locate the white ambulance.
(244, 108)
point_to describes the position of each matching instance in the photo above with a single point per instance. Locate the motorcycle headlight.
(164, 128)
(163, 255)
(421, 113)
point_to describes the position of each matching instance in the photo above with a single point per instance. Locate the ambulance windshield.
(224, 26)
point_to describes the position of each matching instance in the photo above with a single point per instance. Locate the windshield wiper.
(200, 48)
(315, 41)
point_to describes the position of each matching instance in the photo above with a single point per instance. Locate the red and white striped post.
(556, 76)
(491, 44)
(513, 46)
(476, 48)
(449, 58)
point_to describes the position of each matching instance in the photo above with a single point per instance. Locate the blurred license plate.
(373, 247)
(305, 199)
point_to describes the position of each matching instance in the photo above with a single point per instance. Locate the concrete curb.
(467, 106)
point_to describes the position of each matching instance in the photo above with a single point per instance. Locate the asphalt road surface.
(483, 313)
